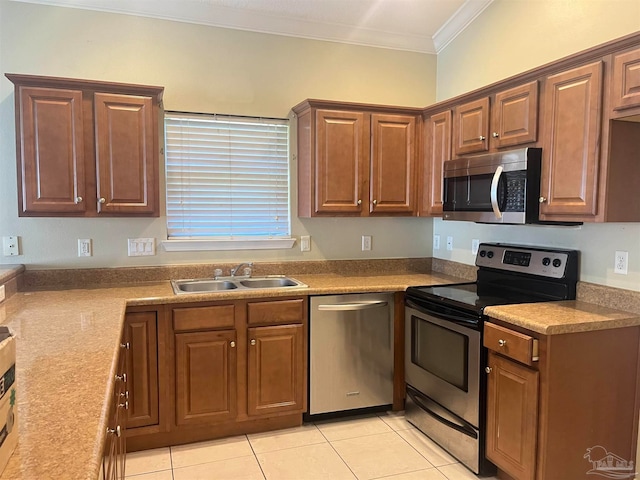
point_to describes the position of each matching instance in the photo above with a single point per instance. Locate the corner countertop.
(67, 345)
(569, 316)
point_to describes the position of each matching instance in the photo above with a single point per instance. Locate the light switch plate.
(436, 242)
(138, 247)
(85, 248)
(305, 243)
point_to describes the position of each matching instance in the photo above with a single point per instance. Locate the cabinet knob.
(495, 135)
(482, 138)
(78, 199)
(125, 405)
(542, 199)
(359, 202)
(122, 378)
(115, 431)
(125, 346)
(375, 202)
(125, 394)
(101, 200)
(487, 369)
(253, 342)
(502, 343)
(232, 344)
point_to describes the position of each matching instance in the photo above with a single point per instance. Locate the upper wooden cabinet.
(437, 150)
(625, 82)
(572, 125)
(356, 160)
(86, 148)
(505, 119)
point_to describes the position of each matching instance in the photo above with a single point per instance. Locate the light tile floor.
(366, 447)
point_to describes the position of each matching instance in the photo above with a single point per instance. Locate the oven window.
(440, 351)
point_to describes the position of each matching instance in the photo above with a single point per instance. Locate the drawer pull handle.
(487, 369)
(502, 343)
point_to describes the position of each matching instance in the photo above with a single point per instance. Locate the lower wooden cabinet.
(206, 370)
(552, 398)
(275, 370)
(114, 455)
(205, 388)
(141, 333)
(512, 412)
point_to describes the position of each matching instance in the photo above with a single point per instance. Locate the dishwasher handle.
(352, 306)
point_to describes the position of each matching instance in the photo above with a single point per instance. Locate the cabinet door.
(515, 116)
(573, 104)
(512, 417)
(437, 152)
(51, 170)
(625, 85)
(275, 370)
(205, 377)
(393, 163)
(126, 154)
(142, 368)
(341, 160)
(471, 126)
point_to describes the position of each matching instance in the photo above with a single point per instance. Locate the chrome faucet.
(235, 270)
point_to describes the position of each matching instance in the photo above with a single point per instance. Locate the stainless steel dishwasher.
(351, 352)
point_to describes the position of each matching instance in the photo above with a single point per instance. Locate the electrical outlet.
(436, 242)
(305, 243)
(10, 246)
(366, 243)
(621, 263)
(449, 243)
(475, 244)
(141, 246)
(84, 247)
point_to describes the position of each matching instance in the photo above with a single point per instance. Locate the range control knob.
(546, 261)
(483, 253)
(490, 254)
(557, 262)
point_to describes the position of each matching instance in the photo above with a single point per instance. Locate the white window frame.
(246, 241)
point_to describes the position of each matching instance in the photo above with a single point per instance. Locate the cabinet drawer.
(281, 311)
(509, 343)
(203, 318)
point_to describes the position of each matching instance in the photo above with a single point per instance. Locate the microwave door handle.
(494, 192)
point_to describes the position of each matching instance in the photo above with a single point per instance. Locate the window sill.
(207, 245)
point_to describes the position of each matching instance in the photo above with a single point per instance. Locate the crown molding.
(460, 20)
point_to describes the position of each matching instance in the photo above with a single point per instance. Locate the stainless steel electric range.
(444, 356)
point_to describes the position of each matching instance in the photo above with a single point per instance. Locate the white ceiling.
(424, 26)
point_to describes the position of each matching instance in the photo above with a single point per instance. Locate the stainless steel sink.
(196, 286)
(269, 282)
(209, 285)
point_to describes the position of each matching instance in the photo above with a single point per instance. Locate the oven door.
(442, 358)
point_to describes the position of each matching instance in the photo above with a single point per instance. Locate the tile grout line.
(264, 475)
(334, 449)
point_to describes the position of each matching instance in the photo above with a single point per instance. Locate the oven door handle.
(440, 413)
(494, 192)
(353, 306)
(459, 319)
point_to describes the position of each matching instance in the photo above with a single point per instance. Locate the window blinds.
(227, 177)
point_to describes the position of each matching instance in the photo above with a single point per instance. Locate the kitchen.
(233, 79)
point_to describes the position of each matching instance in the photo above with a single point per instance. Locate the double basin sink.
(225, 284)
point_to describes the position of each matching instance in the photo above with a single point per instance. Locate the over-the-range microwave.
(500, 187)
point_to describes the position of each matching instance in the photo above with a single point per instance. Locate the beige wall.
(203, 69)
(510, 37)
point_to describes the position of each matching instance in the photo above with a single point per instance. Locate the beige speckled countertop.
(568, 316)
(67, 344)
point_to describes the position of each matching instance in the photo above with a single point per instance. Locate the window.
(227, 177)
